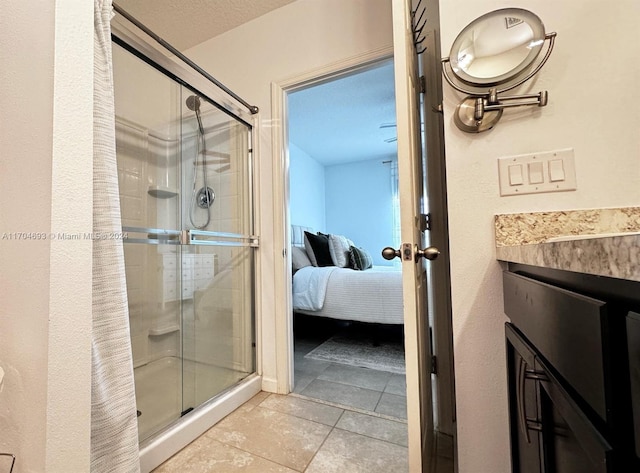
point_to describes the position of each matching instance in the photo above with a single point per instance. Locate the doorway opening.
(343, 205)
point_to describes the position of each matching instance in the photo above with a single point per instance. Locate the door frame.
(283, 384)
(282, 236)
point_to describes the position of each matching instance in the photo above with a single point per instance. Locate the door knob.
(407, 254)
(389, 253)
(430, 253)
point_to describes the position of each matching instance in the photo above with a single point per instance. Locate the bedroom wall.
(306, 190)
(359, 205)
(595, 50)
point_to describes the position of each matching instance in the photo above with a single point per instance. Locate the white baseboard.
(270, 385)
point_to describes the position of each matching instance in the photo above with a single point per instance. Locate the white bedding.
(310, 287)
(373, 295)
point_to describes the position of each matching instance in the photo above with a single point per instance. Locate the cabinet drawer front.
(566, 328)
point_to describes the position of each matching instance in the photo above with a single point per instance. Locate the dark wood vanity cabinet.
(548, 429)
(524, 417)
(573, 368)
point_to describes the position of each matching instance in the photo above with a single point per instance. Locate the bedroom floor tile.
(302, 380)
(392, 405)
(311, 366)
(311, 376)
(355, 376)
(397, 385)
(344, 394)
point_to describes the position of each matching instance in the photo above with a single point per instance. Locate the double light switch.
(551, 171)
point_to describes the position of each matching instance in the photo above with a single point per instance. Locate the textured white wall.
(292, 40)
(592, 79)
(45, 287)
(70, 296)
(26, 53)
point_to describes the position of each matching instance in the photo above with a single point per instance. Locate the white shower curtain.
(114, 428)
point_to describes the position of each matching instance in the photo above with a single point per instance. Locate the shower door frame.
(161, 446)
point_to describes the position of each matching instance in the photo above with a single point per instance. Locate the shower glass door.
(217, 264)
(189, 258)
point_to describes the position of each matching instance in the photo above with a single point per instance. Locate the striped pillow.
(360, 258)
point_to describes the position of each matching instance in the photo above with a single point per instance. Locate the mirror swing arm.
(480, 111)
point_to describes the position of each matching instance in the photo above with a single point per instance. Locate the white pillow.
(339, 248)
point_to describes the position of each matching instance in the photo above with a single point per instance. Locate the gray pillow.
(360, 258)
(299, 258)
(339, 249)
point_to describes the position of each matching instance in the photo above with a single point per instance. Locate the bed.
(372, 295)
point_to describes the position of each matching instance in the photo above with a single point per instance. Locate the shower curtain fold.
(114, 430)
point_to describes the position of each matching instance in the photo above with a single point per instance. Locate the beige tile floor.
(273, 433)
(338, 419)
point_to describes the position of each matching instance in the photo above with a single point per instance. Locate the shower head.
(193, 103)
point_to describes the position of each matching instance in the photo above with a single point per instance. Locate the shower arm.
(252, 108)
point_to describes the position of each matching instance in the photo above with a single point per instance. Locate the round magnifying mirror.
(496, 47)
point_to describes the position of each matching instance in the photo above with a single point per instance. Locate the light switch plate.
(531, 181)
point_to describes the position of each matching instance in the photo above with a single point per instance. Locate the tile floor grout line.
(257, 455)
(270, 460)
(350, 408)
(298, 416)
(372, 438)
(320, 447)
(349, 384)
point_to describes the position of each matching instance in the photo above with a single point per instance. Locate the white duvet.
(310, 287)
(374, 295)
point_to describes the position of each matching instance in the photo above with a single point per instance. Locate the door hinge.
(425, 222)
(434, 365)
(423, 84)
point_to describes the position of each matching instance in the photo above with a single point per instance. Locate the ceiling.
(335, 122)
(340, 121)
(184, 24)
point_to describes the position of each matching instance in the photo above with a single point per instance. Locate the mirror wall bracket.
(493, 54)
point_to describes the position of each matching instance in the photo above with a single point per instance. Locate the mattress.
(373, 296)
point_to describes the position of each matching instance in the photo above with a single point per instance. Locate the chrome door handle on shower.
(202, 237)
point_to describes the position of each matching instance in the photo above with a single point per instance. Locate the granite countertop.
(602, 242)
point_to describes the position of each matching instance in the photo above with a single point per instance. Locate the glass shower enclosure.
(185, 175)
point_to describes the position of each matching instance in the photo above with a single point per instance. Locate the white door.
(413, 252)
